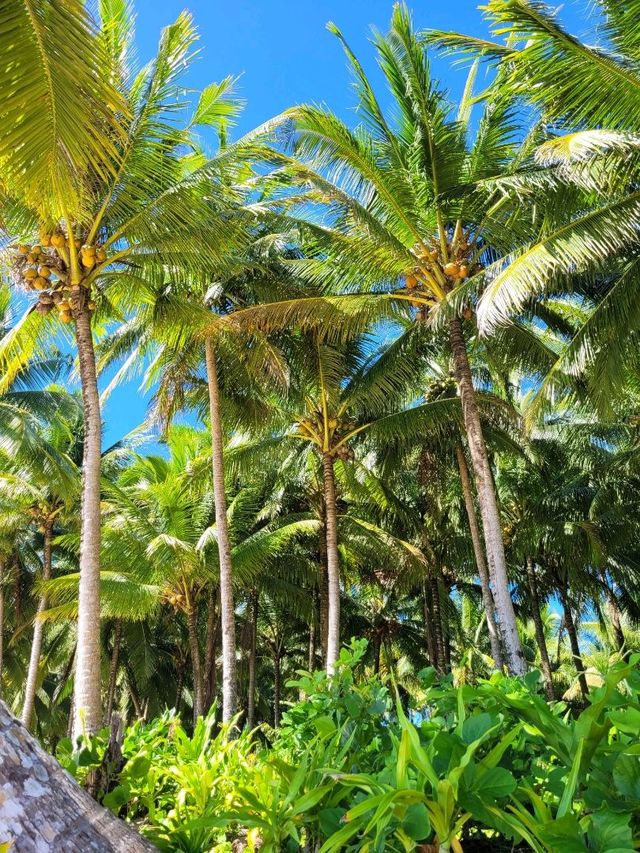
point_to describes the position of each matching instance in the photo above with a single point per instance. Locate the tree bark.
(323, 591)
(437, 623)
(573, 640)
(481, 562)
(539, 628)
(210, 647)
(311, 659)
(113, 669)
(227, 608)
(487, 502)
(277, 689)
(333, 564)
(87, 704)
(38, 630)
(196, 666)
(253, 643)
(43, 810)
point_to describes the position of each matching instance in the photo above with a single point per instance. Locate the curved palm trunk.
(539, 628)
(323, 590)
(481, 562)
(87, 705)
(113, 669)
(194, 647)
(38, 630)
(487, 502)
(253, 640)
(227, 608)
(333, 564)
(573, 640)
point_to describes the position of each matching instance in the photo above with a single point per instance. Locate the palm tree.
(588, 92)
(403, 202)
(121, 210)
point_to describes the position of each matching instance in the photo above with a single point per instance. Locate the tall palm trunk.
(196, 665)
(323, 590)
(539, 628)
(113, 669)
(253, 643)
(487, 502)
(573, 640)
(210, 647)
(38, 630)
(311, 659)
(439, 663)
(277, 687)
(87, 705)
(333, 564)
(481, 562)
(227, 608)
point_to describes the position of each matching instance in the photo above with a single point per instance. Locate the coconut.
(46, 299)
(30, 273)
(44, 271)
(43, 308)
(464, 271)
(58, 240)
(91, 305)
(65, 316)
(452, 270)
(24, 250)
(412, 282)
(101, 256)
(40, 283)
(57, 297)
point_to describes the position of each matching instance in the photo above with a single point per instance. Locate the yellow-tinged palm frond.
(60, 116)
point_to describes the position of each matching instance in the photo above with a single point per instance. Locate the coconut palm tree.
(116, 205)
(409, 217)
(586, 90)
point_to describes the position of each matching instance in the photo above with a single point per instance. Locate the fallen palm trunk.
(42, 809)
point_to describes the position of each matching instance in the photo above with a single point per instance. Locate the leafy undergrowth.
(483, 767)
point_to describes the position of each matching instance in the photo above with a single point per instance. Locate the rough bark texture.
(210, 646)
(323, 586)
(42, 810)
(196, 666)
(487, 502)
(481, 562)
(87, 706)
(113, 669)
(253, 642)
(539, 628)
(227, 608)
(573, 640)
(38, 631)
(333, 564)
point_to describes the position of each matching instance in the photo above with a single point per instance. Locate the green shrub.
(488, 766)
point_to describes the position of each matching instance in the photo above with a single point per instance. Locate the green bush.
(490, 766)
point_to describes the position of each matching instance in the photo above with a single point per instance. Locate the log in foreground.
(43, 810)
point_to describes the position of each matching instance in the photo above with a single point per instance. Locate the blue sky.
(285, 56)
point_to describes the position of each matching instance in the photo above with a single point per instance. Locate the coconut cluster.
(314, 426)
(455, 265)
(44, 268)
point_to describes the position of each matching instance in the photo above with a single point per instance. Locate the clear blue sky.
(286, 56)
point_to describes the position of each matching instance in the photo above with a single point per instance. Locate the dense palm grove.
(394, 408)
